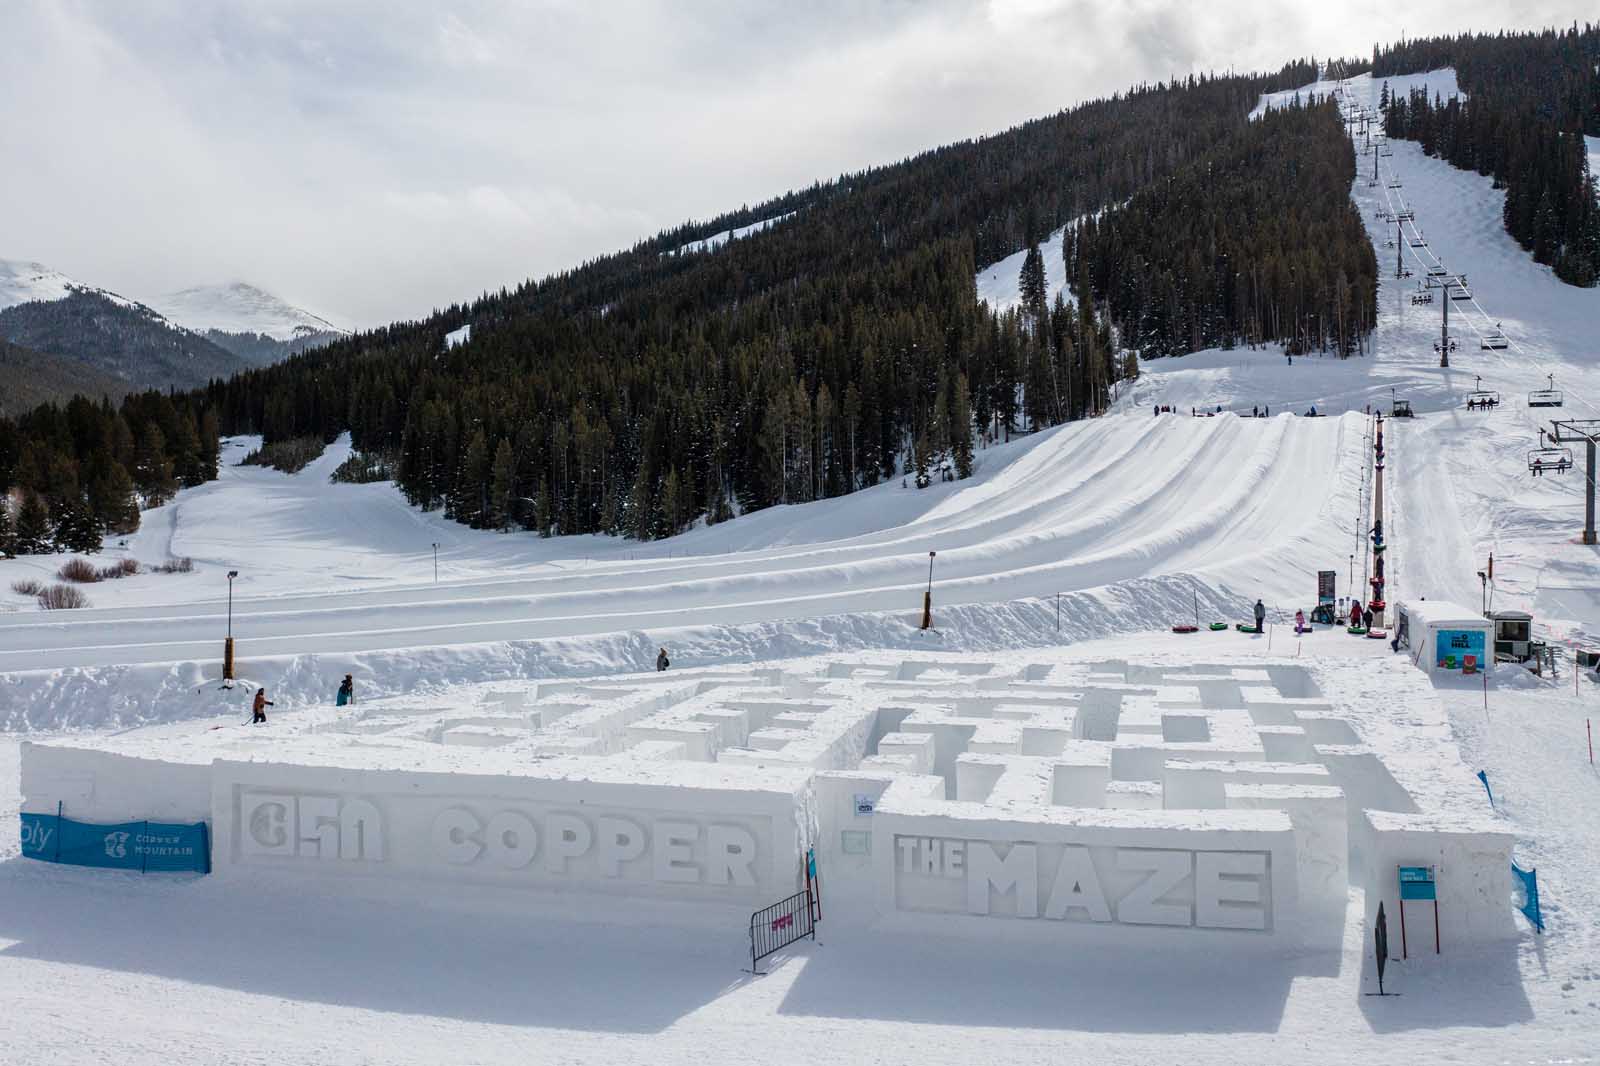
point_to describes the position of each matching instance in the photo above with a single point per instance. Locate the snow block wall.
(1227, 805)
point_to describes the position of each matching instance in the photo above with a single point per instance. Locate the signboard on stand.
(1417, 884)
(1325, 586)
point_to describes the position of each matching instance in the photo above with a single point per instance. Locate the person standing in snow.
(1299, 621)
(1366, 618)
(1261, 615)
(258, 707)
(662, 662)
(1355, 614)
(347, 691)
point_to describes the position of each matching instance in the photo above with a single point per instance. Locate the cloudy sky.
(374, 159)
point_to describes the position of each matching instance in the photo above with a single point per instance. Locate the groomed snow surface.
(1135, 519)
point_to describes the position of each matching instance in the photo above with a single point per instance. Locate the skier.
(1261, 615)
(1299, 622)
(347, 691)
(258, 707)
(662, 662)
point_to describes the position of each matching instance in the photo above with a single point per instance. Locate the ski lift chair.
(1550, 397)
(1543, 461)
(1495, 340)
(1422, 296)
(1437, 272)
(1419, 241)
(1482, 400)
(1460, 292)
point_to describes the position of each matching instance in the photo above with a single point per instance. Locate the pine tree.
(33, 534)
(152, 471)
(961, 427)
(503, 493)
(8, 528)
(672, 505)
(1032, 287)
(470, 498)
(76, 528)
(543, 510)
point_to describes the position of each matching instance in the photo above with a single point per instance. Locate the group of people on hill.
(347, 692)
(1194, 412)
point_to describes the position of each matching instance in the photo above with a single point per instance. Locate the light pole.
(927, 597)
(227, 650)
(435, 562)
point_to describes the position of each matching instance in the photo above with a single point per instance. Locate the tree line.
(1255, 242)
(79, 472)
(1530, 100)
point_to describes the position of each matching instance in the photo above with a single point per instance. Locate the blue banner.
(143, 846)
(1529, 880)
(1459, 649)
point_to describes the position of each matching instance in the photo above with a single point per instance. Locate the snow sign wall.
(1167, 803)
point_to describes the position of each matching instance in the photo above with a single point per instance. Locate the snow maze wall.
(1194, 801)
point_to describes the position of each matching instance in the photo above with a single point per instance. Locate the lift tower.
(1570, 431)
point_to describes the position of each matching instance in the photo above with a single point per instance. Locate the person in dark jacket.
(1366, 618)
(347, 691)
(662, 662)
(258, 707)
(1261, 615)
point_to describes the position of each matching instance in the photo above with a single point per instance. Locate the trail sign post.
(1417, 883)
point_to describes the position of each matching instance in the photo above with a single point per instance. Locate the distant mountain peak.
(240, 307)
(24, 281)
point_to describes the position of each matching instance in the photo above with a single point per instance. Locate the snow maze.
(1185, 800)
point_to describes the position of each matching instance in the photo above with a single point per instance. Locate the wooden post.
(227, 659)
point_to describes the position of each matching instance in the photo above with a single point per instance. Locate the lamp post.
(227, 649)
(927, 597)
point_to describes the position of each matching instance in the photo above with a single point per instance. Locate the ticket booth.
(1513, 636)
(1445, 637)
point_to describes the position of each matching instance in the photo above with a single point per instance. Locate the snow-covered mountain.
(24, 282)
(238, 307)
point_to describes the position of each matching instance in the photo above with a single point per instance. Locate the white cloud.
(374, 159)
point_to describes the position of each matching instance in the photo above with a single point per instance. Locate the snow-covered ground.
(1116, 513)
(1131, 516)
(326, 973)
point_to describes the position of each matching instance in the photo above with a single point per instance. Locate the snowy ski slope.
(1090, 507)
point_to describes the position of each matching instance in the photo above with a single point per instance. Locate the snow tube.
(1185, 629)
(1379, 548)
(1357, 631)
(1377, 605)
(1241, 627)
(1216, 627)
(1377, 634)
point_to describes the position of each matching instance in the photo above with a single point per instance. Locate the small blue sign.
(143, 846)
(1416, 882)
